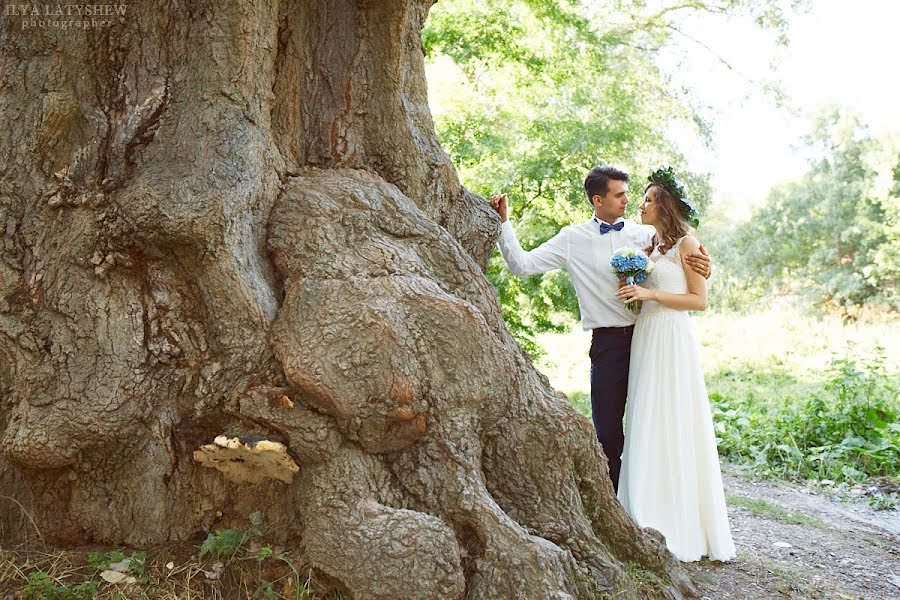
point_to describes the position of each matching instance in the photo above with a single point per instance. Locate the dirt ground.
(793, 542)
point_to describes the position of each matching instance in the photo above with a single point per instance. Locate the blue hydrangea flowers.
(634, 265)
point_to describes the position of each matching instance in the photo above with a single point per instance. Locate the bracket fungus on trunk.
(248, 462)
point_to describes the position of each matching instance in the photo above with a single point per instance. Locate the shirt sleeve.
(550, 255)
(643, 235)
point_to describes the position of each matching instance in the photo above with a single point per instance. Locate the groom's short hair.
(597, 181)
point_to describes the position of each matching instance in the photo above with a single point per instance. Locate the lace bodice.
(668, 276)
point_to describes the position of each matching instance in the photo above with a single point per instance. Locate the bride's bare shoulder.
(688, 245)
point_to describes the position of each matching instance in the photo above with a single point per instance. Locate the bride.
(670, 477)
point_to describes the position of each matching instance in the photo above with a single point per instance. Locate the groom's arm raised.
(550, 255)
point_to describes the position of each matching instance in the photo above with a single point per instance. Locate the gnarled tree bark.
(221, 215)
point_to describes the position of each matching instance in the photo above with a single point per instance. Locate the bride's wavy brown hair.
(670, 223)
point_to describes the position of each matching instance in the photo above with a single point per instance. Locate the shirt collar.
(596, 220)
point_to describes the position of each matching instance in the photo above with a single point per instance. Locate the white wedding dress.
(670, 478)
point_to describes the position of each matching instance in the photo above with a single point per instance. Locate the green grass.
(581, 401)
(764, 508)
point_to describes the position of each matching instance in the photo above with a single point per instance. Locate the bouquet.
(634, 265)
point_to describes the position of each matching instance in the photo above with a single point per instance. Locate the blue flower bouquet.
(634, 265)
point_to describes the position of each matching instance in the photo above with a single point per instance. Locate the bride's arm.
(694, 299)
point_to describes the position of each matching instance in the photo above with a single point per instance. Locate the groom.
(584, 251)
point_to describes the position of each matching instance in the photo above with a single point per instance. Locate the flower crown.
(666, 178)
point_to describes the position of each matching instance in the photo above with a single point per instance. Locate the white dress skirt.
(670, 478)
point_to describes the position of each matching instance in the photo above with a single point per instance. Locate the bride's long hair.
(670, 223)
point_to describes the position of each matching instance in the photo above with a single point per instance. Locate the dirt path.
(795, 544)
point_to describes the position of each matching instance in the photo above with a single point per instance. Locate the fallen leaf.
(120, 566)
(215, 570)
(117, 577)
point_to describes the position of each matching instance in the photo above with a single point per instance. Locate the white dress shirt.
(584, 252)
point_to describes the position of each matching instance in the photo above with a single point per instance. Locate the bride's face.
(648, 207)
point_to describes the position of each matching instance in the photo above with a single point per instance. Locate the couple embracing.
(665, 467)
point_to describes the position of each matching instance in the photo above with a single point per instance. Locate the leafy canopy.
(528, 95)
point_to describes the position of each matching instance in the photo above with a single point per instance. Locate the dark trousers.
(610, 356)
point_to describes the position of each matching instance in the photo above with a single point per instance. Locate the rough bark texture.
(236, 214)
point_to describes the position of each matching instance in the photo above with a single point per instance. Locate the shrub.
(843, 428)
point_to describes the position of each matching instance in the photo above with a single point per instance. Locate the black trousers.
(610, 356)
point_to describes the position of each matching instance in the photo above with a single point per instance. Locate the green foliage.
(241, 547)
(263, 553)
(581, 401)
(222, 543)
(240, 562)
(843, 429)
(102, 560)
(528, 95)
(137, 563)
(883, 501)
(834, 235)
(41, 587)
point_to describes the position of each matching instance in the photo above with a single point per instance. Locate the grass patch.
(581, 402)
(646, 583)
(229, 564)
(764, 508)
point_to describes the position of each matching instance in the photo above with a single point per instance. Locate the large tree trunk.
(236, 215)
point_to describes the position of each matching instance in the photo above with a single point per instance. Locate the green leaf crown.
(665, 177)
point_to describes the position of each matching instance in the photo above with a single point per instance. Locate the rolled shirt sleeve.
(550, 255)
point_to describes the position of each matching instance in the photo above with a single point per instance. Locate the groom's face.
(616, 199)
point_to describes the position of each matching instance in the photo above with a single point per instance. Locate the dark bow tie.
(606, 227)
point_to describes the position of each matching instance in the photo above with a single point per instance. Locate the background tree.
(237, 216)
(530, 94)
(833, 235)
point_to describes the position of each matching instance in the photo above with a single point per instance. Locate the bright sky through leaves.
(840, 54)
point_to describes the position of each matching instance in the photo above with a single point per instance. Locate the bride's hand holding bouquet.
(634, 266)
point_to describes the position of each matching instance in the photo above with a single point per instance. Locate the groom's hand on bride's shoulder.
(500, 204)
(700, 262)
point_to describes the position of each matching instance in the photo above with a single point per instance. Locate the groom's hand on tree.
(500, 204)
(700, 262)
